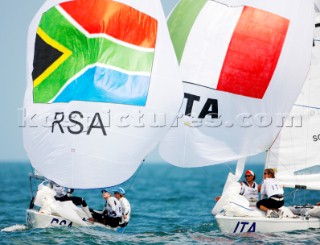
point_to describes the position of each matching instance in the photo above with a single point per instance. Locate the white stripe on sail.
(208, 43)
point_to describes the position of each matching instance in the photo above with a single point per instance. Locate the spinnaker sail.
(100, 74)
(242, 64)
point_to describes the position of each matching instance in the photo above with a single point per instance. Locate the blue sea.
(170, 206)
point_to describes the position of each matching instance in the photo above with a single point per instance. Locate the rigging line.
(230, 169)
(135, 175)
(306, 106)
(199, 85)
(275, 139)
(291, 192)
(228, 5)
(30, 179)
(31, 188)
(308, 128)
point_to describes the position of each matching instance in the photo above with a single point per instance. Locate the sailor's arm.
(126, 207)
(263, 189)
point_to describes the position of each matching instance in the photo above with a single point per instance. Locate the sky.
(14, 21)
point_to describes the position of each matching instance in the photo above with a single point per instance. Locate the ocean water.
(170, 206)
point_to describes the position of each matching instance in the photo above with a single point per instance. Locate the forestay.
(242, 64)
(295, 154)
(101, 77)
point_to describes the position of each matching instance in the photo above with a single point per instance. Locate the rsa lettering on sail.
(60, 119)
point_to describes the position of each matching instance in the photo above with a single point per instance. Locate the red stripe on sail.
(115, 19)
(253, 53)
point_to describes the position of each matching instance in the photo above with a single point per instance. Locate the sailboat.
(100, 74)
(295, 157)
(243, 64)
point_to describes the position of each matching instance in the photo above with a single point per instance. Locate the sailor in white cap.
(249, 188)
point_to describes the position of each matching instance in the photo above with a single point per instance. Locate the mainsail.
(295, 154)
(242, 64)
(100, 74)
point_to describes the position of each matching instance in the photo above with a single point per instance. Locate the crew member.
(64, 194)
(112, 213)
(274, 191)
(126, 209)
(249, 188)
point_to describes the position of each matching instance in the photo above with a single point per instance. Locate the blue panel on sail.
(101, 84)
(307, 171)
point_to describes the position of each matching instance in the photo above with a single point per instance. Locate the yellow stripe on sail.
(65, 54)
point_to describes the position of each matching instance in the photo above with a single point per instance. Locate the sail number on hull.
(244, 226)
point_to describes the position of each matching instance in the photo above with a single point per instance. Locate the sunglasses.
(247, 176)
(265, 173)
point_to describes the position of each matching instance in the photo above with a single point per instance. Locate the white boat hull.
(36, 219)
(41, 220)
(263, 224)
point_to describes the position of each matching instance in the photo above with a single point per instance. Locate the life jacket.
(251, 193)
(113, 207)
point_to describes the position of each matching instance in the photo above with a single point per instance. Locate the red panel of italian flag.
(253, 53)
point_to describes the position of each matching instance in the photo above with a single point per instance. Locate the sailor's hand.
(91, 219)
(125, 216)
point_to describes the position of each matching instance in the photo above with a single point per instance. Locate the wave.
(14, 228)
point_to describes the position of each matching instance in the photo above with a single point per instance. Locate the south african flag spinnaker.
(100, 51)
